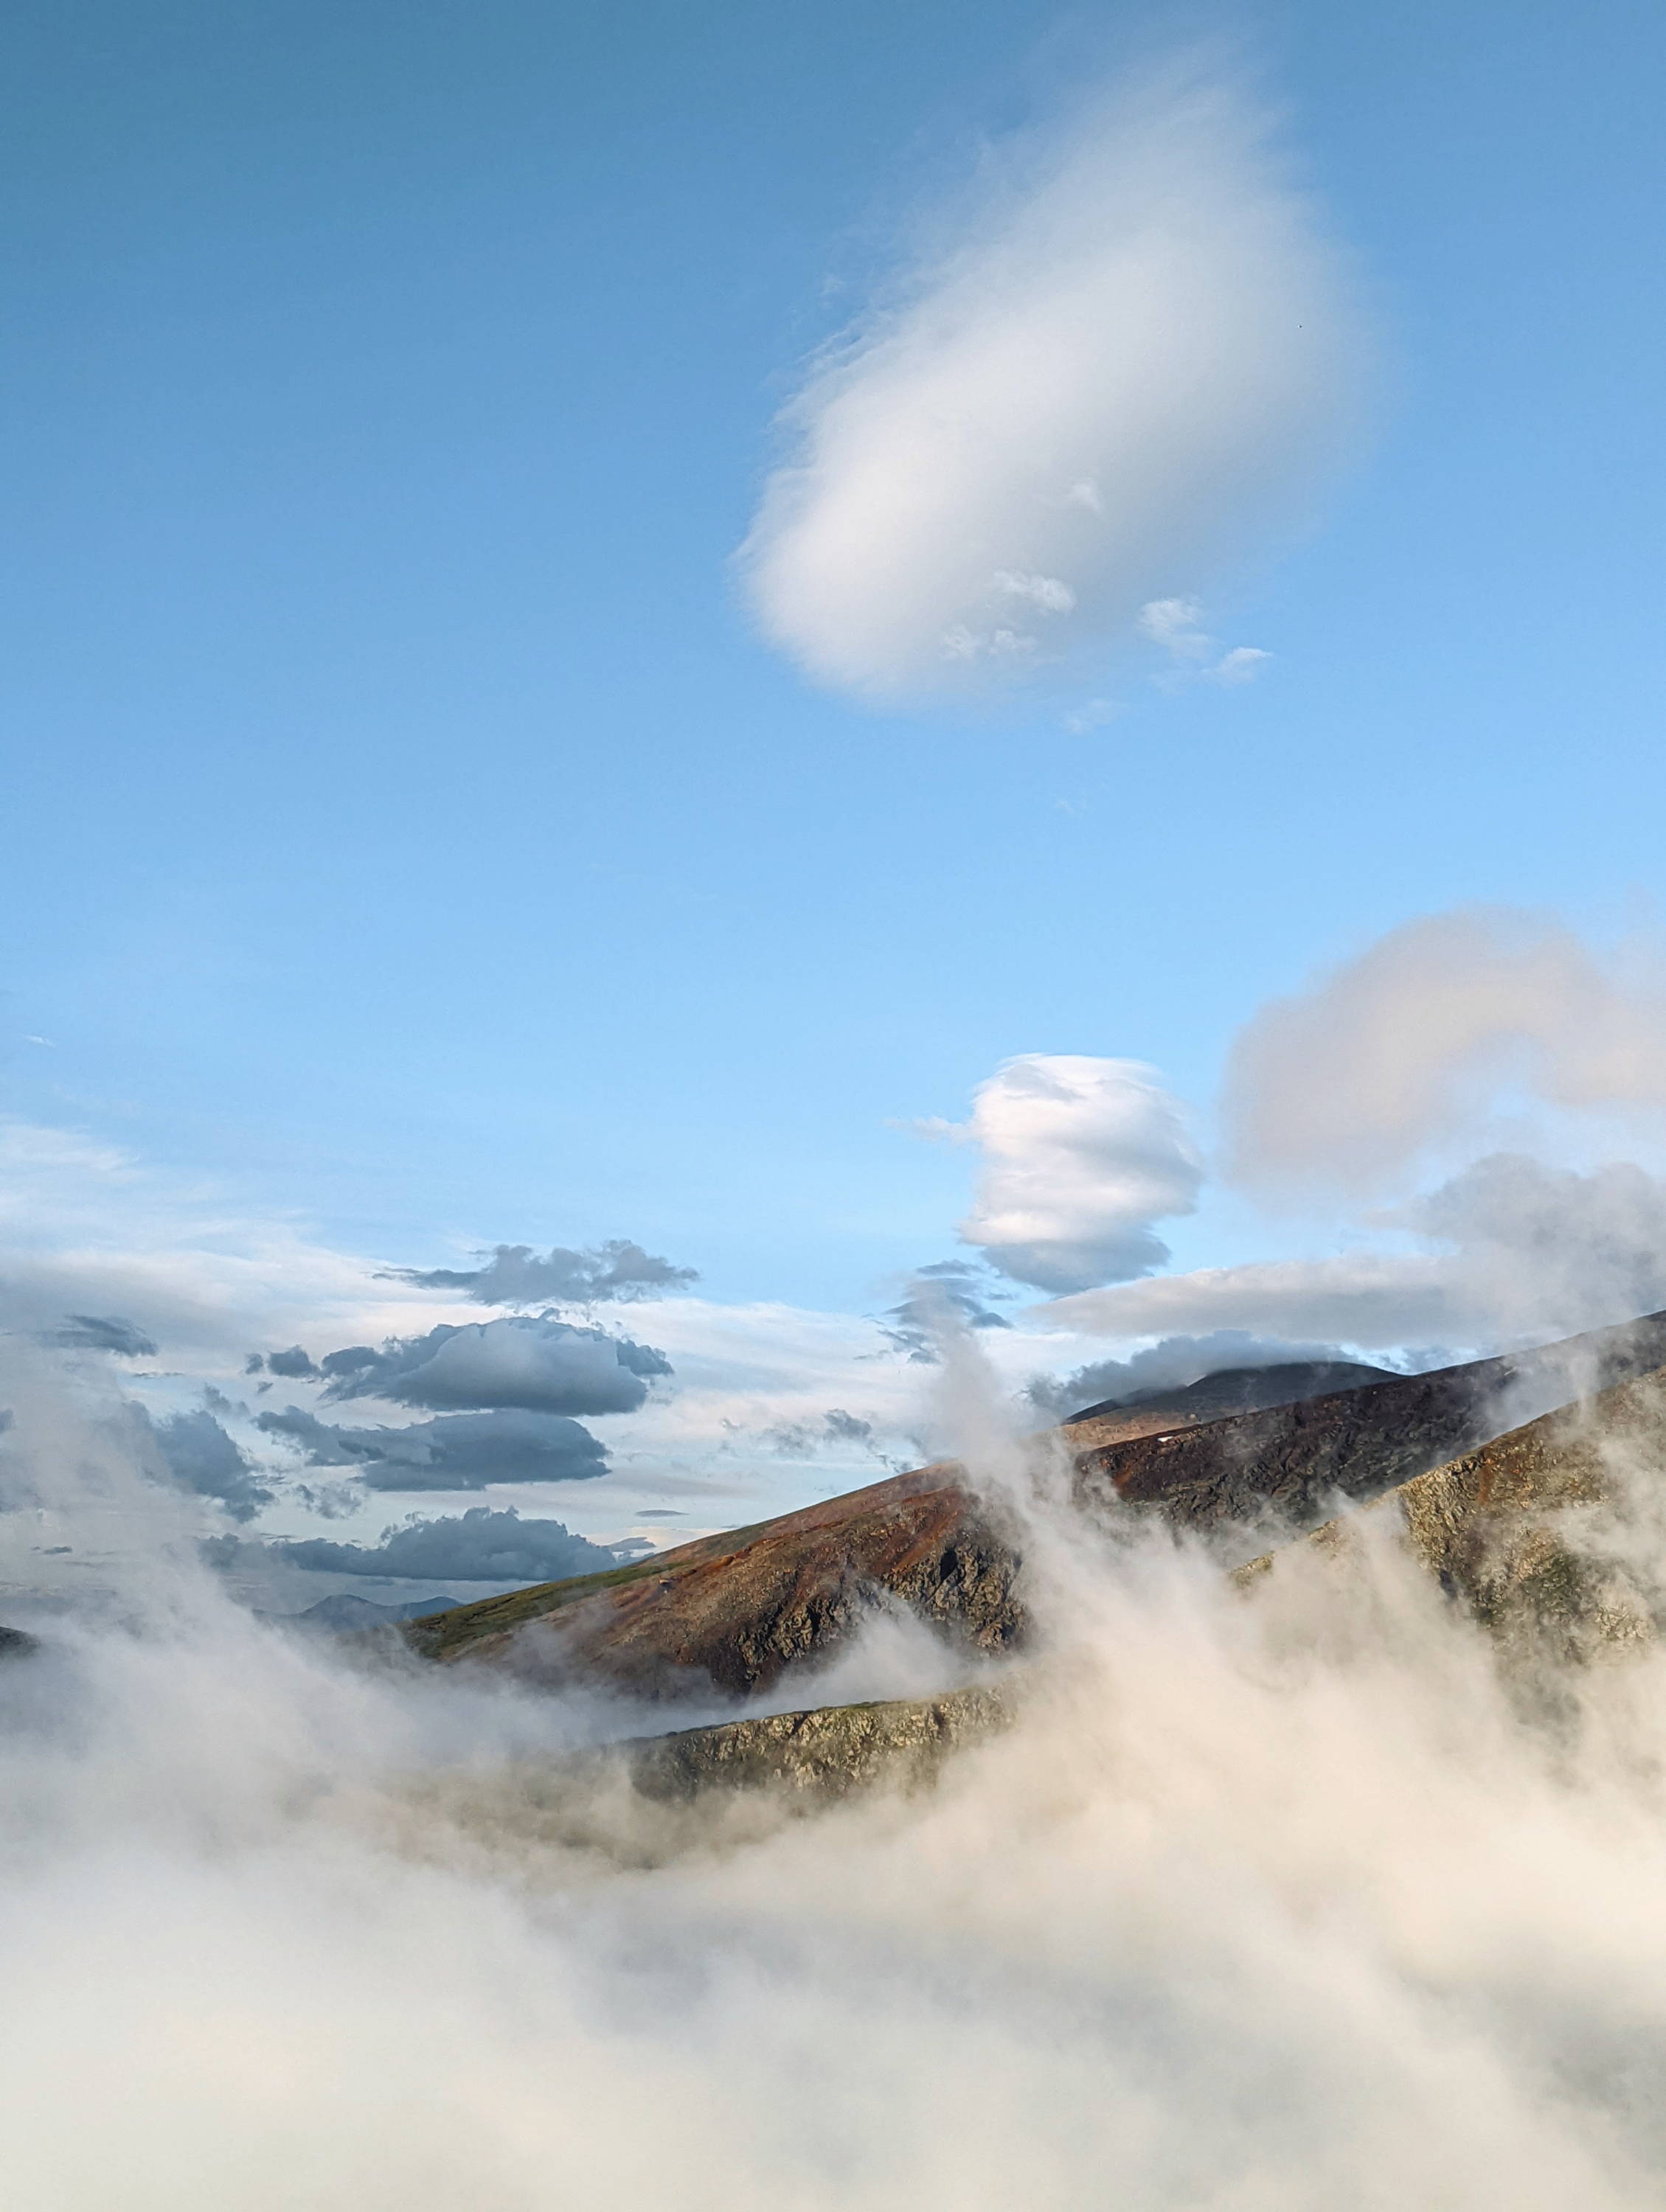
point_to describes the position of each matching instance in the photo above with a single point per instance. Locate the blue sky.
(415, 845)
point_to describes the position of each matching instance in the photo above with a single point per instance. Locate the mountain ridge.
(734, 1613)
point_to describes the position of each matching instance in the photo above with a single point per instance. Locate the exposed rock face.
(1288, 1464)
(733, 1612)
(14, 1643)
(1550, 1535)
(824, 1752)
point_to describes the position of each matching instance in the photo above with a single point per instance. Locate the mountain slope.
(738, 1612)
(1287, 1463)
(734, 1612)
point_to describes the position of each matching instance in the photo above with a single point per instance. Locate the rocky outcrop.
(826, 1752)
(16, 1643)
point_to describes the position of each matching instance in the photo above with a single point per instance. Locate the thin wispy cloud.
(1091, 714)
(1130, 355)
(1176, 625)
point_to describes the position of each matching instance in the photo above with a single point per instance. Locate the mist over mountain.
(832, 1108)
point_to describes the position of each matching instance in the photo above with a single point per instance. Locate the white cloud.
(1079, 1158)
(1344, 1086)
(1128, 359)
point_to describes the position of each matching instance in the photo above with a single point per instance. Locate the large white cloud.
(1131, 353)
(1080, 1156)
(1342, 1087)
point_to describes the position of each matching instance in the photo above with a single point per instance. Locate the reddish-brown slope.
(734, 1612)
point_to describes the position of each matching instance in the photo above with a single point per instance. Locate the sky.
(817, 642)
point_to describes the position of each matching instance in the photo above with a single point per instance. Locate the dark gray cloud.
(949, 1289)
(294, 1364)
(478, 1545)
(1171, 1365)
(197, 1453)
(459, 1451)
(516, 1275)
(103, 1332)
(538, 1364)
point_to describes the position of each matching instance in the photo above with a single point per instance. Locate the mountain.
(347, 1610)
(1283, 1465)
(738, 1611)
(1227, 1390)
(1527, 1533)
(734, 1612)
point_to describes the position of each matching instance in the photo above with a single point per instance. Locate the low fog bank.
(1288, 1903)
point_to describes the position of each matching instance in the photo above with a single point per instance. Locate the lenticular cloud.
(1135, 355)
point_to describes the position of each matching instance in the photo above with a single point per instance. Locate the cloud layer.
(1130, 353)
(1080, 1156)
(1284, 1904)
